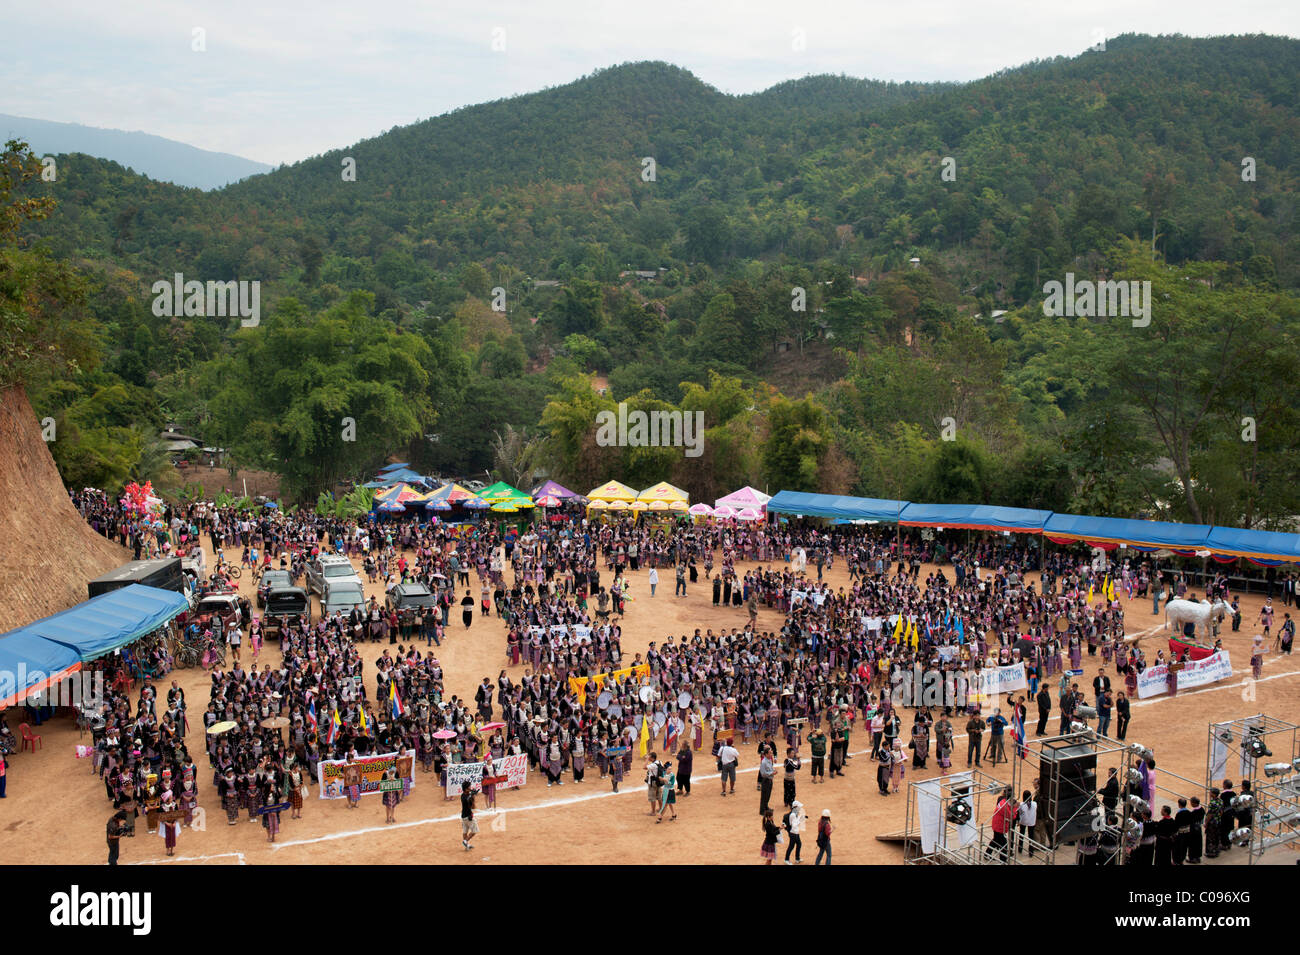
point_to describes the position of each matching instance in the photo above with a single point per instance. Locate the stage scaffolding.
(957, 810)
(1274, 775)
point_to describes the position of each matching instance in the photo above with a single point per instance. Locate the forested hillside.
(900, 217)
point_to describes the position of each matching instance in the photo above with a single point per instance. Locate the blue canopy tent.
(393, 467)
(402, 476)
(1269, 548)
(31, 664)
(105, 623)
(976, 517)
(1109, 532)
(836, 506)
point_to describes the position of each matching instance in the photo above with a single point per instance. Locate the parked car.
(224, 605)
(287, 602)
(341, 595)
(272, 578)
(329, 567)
(410, 595)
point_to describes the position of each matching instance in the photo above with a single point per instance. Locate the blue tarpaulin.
(1121, 530)
(107, 622)
(29, 664)
(976, 517)
(1256, 545)
(835, 506)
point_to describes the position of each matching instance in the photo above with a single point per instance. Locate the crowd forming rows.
(832, 663)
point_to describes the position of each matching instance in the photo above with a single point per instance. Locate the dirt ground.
(56, 809)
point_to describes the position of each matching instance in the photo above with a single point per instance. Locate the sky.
(281, 80)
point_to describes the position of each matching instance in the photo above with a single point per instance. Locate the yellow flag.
(645, 734)
(916, 636)
(898, 629)
(1090, 593)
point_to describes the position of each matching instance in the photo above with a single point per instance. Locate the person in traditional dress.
(920, 744)
(615, 767)
(391, 797)
(1257, 651)
(898, 767)
(488, 789)
(885, 758)
(171, 829)
(296, 783)
(271, 820)
(668, 781)
(943, 742)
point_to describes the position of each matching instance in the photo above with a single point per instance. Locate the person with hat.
(169, 829)
(793, 822)
(824, 830)
(767, 851)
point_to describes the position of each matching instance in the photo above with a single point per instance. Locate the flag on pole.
(898, 629)
(1090, 594)
(363, 721)
(645, 734)
(335, 724)
(961, 631)
(1018, 731)
(394, 700)
(311, 714)
(670, 737)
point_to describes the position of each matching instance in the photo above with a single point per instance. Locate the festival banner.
(799, 596)
(335, 776)
(578, 684)
(1154, 680)
(514, 768)
(990, 681)
(581, 631)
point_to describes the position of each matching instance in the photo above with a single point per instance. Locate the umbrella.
(677, 505)
(438, 505)
(748, 514)
(640, 506)
(618, 505)
(391, 507)
(274, 723)
(492, 726)
(524, 502)
(724, 511)
(701, 510)
(477, 504)
(225, 726)
(505, 507)
(598, 506)
(548, 500)
(444, 734)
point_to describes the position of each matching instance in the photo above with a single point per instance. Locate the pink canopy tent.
(746, 497)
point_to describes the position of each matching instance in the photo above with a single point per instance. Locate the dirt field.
(56, 810)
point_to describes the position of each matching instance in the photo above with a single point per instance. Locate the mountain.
(153, 156)
(895, 214)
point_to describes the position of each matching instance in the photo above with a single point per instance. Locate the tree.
(799, 436)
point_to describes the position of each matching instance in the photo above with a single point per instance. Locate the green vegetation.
(489, 271)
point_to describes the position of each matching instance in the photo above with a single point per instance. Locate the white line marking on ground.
(169, 859)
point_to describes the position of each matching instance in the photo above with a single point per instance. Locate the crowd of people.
(844, 658)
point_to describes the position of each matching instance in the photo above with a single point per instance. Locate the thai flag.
(395, 700)
(335, 723)
(671, 736)
(311, 714)
(1018, 731)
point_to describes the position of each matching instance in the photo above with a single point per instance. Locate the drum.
(683, 700)
(646, 693)
(660, 720)
(603, 700)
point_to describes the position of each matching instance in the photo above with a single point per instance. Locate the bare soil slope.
(47, 552)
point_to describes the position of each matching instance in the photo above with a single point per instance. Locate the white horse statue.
(1204, 615)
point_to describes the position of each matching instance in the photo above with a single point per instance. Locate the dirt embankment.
(47, 552)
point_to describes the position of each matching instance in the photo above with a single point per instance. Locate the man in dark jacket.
(1044, 709)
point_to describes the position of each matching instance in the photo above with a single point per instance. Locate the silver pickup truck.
(328, 568)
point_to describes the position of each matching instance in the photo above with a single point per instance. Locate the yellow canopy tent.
(612, 491)
(663, 491)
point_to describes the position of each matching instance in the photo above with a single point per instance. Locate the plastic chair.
(29, 737)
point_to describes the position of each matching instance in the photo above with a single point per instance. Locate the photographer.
(117, 828)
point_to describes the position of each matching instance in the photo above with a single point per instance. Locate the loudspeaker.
(1066, 788)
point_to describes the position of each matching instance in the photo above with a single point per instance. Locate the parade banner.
(336, 776)
(989, 682)
(514, 768)
(581, 631)
(799, 596)
(1154, 680)
(579, 684)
